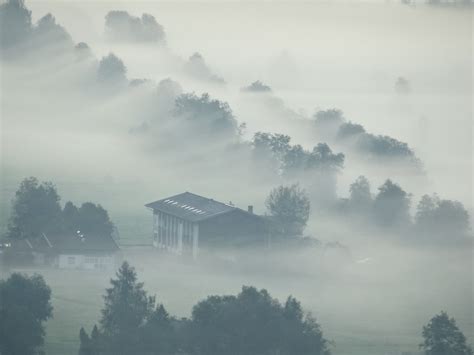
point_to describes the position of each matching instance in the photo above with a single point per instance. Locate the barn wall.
(233, 229)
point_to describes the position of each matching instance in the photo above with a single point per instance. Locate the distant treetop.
(123, 27)
(257, 86)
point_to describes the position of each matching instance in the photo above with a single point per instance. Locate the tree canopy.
(392, 206)
(205, 116)
(121, 26)
(111, 70)
(441, 336)
(254, 323)
(89, 218)
(130, 323)
(249, 323)
(126, 309)
(15, 23)
(35, 209)
(441, 217)
(294, 160)
(289, 206)
(24, 307)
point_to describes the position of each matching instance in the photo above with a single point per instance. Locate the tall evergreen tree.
(127, 308)
(443, 337)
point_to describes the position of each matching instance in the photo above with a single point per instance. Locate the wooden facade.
(175, 234)
(184, 223)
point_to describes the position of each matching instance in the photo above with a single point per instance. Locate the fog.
(123, 143)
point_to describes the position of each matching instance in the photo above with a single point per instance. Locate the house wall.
(174, 234)
(233, 229)
(86, 262)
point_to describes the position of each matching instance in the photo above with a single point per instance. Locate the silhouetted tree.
(196, 67)
(158, 335)
(127, 308)
(327, 122)
(35, 210)
(70, 216)
(205, 116)
(350, 130)
(392, 206)
(82, 51)
(360, 199)
(15, 23)
(441, 217)
(385, 147)
(253, 323)
(112, 70)
(257, 86)
(48, 32)
(90, 345)
(323, 159)
(376, 147)
(289, 206)
(90, 219)
(130, 323)
(443, 337)
(24, 307)
(85, 347)
(121, 26)
(94, 219)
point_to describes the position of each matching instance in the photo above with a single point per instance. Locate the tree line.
(36, 209)
(132, 322)
(436, 218)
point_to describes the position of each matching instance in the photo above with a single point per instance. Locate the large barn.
(187, 222)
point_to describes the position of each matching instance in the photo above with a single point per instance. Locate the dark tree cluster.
(197, 68)
(254, 323)
(438, 217)
(112, 71)
(443, 337)
(206, 117)
(332, 125)
(47, 40)
(24, 307)
(390, 208)
(36, 209)
(258, 87)
(290, 160)
(247, 324)
(15, 22)
(19, 33)
(121, 26)
(131, 322)
(289, 208)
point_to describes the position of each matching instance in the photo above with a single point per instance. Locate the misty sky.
(315, 55)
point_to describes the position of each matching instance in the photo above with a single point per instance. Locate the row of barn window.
(186, 207)
(167, 231)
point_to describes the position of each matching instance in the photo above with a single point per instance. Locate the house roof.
(192, 207)
(67, 242)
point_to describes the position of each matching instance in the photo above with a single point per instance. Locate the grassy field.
(77, 300)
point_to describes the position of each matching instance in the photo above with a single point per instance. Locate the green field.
(393, 327)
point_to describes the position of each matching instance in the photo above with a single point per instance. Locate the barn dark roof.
(67, 243)
(191, 207)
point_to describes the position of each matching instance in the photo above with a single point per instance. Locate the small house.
(67, 251)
